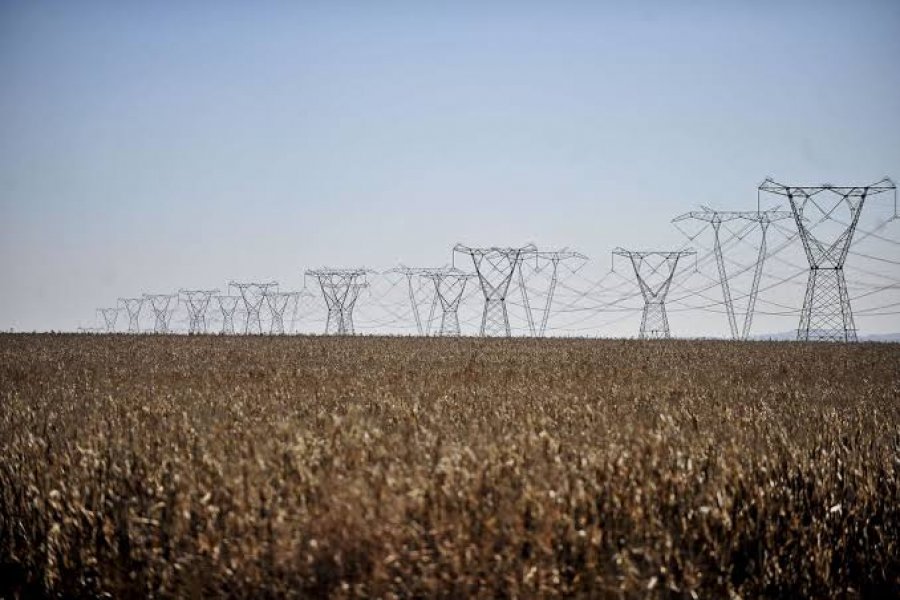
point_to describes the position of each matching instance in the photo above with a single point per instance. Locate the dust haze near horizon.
(149, 147)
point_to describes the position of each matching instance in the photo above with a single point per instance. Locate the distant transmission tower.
(278, 303)
(654, 271)
(449, 285)
(228, 305)
(340, 288)
(553, 258)
(826, 313)
(495, 268)
(716, 218)
(417, 274)
(133, 307)
(254, 296)
(197, 302)
(160, 304)
(110, 316)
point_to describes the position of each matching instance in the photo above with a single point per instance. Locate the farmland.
(357, 467)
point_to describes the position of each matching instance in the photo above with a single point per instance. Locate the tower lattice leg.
(495, 319)
(826, 314)
(654, 321)
(449, 324)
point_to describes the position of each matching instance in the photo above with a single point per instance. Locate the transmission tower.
(654, 271)
(340, 288)
(110, 316)
(826, 313)
(228, 305)
(197, 302)
(449, 285)
(133, 307)
(417, 275)
(716, 219)
(495, 268)
(254, 295)
(160, 304)
(543, 258)
(278, 303)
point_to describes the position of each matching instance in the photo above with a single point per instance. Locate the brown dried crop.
(173, 466)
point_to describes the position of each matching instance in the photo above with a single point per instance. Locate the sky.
(147, 147)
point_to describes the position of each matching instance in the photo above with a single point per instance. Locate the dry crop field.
(181, 466)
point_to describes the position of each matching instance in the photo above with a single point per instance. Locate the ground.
(296, 466)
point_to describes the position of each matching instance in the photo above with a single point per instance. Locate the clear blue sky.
(157, 145)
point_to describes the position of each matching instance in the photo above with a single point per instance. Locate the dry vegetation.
(189, 466)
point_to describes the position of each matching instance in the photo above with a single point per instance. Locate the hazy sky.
(157, 145)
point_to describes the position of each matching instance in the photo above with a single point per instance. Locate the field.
(376, 467)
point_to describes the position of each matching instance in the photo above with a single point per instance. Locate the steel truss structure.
(654, 283)
(495, 268)
(278, 303)
(197, 302)
(109, 316)
(415, 275)
(827, 217)
(162, 313)
(826, 313)
(228, 306)
(254, 295)
(449, 285)
(542, 259)
(716, 218)
(133, 307)
(340, 289)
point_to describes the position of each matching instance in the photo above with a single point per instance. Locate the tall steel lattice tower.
(495, 268)
(416, 277)
(254, 295)
(161, 304)
(544, 260)
(133, 307)
(449, 285)
(717, 218)
(228, 306)
(197, 302)
(826, 313)
(110, 316)
(278, 303)
(340, 288)
(654, 271)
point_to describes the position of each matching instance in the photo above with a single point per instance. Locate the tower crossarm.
(886, 184)
(640, 259)
(723, 216)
